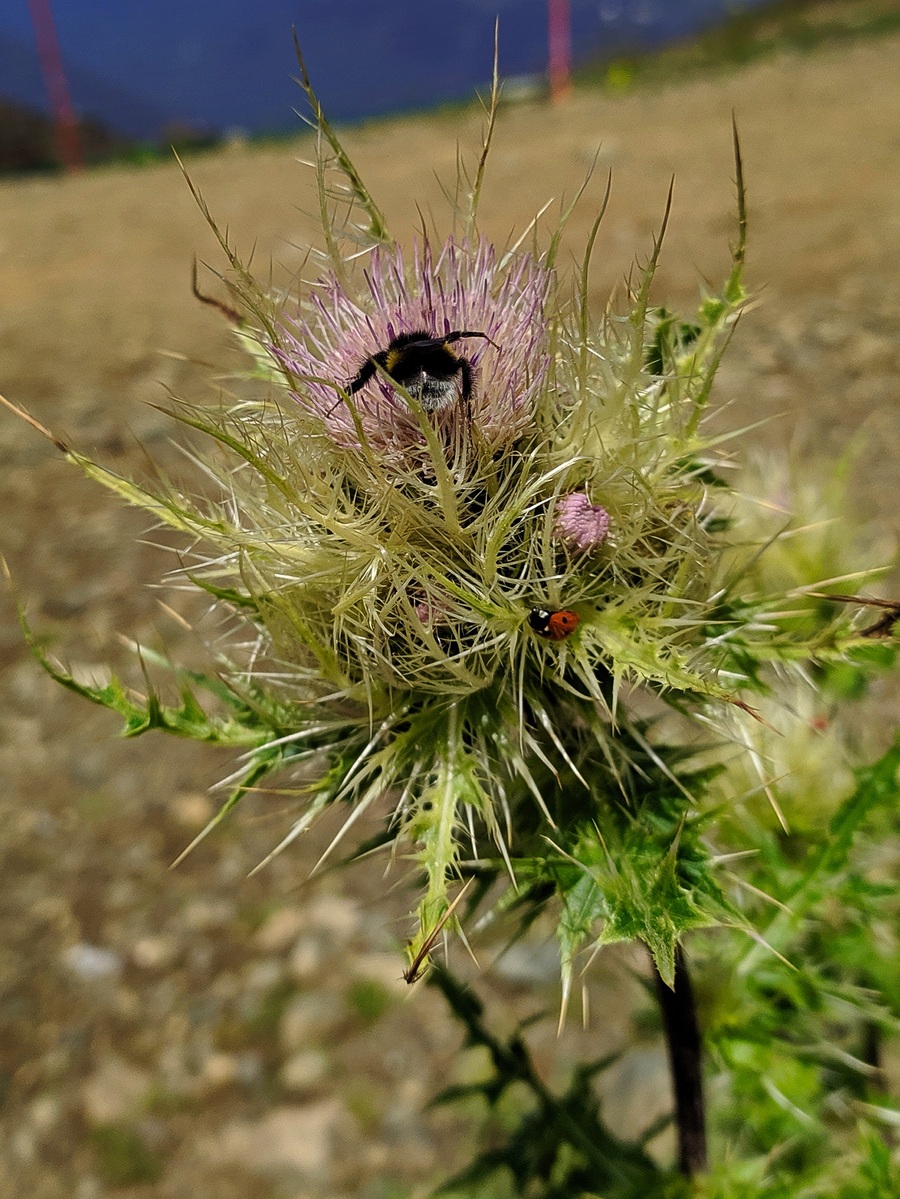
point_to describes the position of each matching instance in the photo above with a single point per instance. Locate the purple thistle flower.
(581, 524)
(465, 288)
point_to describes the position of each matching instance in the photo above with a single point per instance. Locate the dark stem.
(679, 1015)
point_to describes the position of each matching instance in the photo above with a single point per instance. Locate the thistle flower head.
(426, 623)
(465, 287)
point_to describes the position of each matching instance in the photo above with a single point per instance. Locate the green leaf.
(188, 720)
(878, 785)
(553, 1145)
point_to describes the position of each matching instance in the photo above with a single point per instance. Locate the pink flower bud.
(581, 524)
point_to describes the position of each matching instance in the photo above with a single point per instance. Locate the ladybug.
(553, 625)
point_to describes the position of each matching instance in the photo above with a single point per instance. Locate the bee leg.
(458, 334)
(366, 372)
(465, 371)
(466, 390)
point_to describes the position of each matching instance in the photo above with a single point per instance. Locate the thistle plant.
(487, 570)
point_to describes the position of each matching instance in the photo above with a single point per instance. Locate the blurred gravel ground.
(197, 1033)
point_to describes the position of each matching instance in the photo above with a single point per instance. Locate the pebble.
(308, 1019)
(638, 1090)
(122, 893)
(834, 332)
(37, 822)
(193, 810)
(306, 960)
(219, 1071)
(304, 1070)
(280, 931)
(872, 352)
(334, 914)
(127, 1003)
(24, 1143)
(26, 685)
(19, 731)
(74, 599)
(54, 911)
(263, 976)
(115, 1091)
(530, 962)
(44, 1113)
(385, 968)
(93, 963)
(154, 953)
(204, 915)
(871, 391)
(292, 1138)
(251, 1070)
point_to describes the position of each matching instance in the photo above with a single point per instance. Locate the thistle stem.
(682, 1032)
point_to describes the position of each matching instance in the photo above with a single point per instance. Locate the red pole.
(64, 119)
(560, 50)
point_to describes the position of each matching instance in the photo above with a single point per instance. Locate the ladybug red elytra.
(553, 625)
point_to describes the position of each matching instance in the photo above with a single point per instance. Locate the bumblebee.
(424, 366)
(555, 626)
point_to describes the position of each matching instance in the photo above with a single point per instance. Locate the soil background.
(195, 1032)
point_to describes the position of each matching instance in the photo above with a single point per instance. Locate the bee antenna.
(459, 334)
(337, 403)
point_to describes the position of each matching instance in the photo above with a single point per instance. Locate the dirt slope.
(170, 1028)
